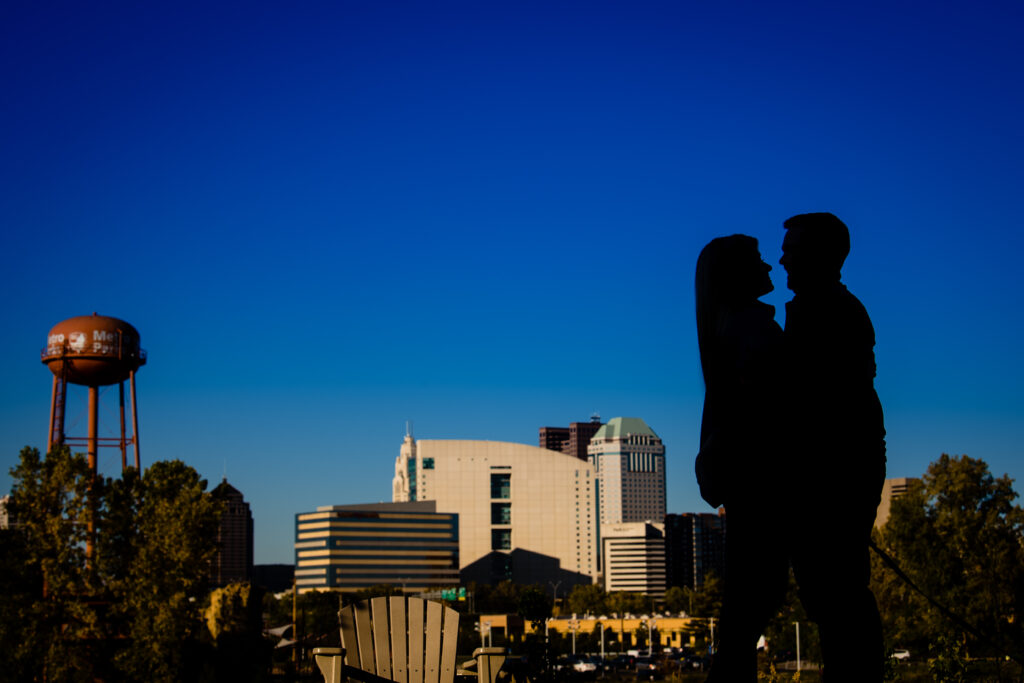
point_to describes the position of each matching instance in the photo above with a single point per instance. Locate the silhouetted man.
(835, 430)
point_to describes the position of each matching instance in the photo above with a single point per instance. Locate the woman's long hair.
(721, 281)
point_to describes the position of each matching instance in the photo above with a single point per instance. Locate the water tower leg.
(53, 413)
(124, 445)
(94, 413)
(135, 419)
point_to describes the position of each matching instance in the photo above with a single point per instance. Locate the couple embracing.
(792, 444)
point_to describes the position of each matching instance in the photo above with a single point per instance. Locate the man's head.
(814, 249)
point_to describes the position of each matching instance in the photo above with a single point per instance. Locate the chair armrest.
(489, 661)
(331, 661)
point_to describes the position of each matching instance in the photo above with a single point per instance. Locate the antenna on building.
(408, 428)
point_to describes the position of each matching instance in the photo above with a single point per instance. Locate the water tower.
(93, 351)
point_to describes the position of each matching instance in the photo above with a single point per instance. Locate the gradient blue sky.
(329, 218)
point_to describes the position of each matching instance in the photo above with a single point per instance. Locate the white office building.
(634, 558)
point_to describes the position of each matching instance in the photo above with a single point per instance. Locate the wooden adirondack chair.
(404, 640)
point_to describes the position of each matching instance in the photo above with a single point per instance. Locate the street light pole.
(797, 624)
(554, 590)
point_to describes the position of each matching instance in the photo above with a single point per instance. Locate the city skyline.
(328, 220)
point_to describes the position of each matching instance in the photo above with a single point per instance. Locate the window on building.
(501, 513)
(501, 486)
(501, 539)
(428, 463)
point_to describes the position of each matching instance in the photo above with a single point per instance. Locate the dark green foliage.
(158, 567)
(132, 611)
(588, 599)
(676, 600)
(54, 623)
(533, 603)
(623, 602)
(706, 601)
(380, 590)
(235, 623)
(781, 630)
(318, 618)
(957, 535)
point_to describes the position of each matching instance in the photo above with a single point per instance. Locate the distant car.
(647, 669)
(584, 666)
(901, 655)
(622, 662)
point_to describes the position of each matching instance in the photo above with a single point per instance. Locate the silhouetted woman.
(740, 354)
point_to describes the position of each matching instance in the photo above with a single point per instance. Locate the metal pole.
(53, 411)
(94, 413)
(135, 418)
(295, 604)
(797, 624)
(124, 446)
(601, 624)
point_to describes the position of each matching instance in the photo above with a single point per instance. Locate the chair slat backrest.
(366, 661)
(347, 617)
(450, 642)
(402, 640)
(432, 656)
(381, 637)
(399, 642)
(416, 658)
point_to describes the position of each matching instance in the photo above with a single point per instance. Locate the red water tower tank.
(93, 351)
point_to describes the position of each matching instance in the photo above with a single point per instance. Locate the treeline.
(109, 580)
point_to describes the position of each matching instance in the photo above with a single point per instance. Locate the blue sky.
(483, 217)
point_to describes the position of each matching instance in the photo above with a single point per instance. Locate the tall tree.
(587, 599)
(676, 599)
(130, 610)
(533, 603)
(156, 558)
(56, 625)
(621, 602)
(235, 622)
(958, 535)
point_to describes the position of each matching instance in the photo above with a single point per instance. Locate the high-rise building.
(694, 546)
(234, 558)
(525, 514)
(353, 547)
(891, 490)
(554, 438)
(630, 462)
(633, 558)
(572, 440)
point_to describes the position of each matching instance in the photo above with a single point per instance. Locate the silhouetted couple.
(792, 444)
